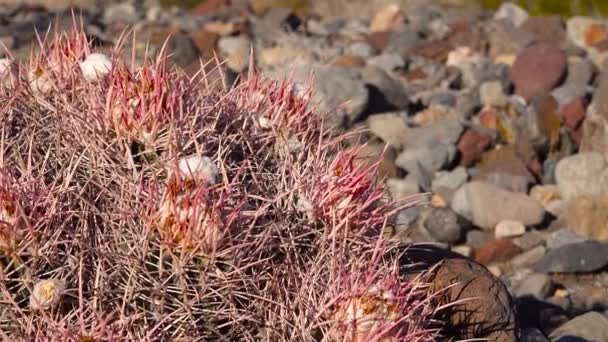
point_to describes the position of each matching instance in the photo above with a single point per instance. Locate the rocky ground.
(501, 116)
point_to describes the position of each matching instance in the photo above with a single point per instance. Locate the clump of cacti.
(143, 204)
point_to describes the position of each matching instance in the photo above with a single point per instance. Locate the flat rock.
(585, 256)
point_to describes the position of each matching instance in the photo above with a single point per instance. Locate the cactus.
(157, 207)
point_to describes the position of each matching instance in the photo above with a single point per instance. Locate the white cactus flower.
(95, 66)
(198, 168)
(47, 292)
(7, 79)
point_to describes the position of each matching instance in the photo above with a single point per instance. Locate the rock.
(406, 218)
(183, 49)
(237, 50)
(450, 180)
(402, 188)
(463, 250)
(573, 115)
(587, 216)
(485, 308)
(337, 89)
(595, 129)
(447, 131)
(590, 34)
(471, 146)
(529, 258)
(582, 174)
(360, 49)
(432, 155)
(546, 28)
(506, 39)
(492, 94)
(499, 250)
(545, 194)
(122, 12)
(387, 61)
(461, 203)
(388, 18)
(511, 12)
(386, 92)
(389, 127)
(580, 71)
(443, 224)
(477, 238)
(537, 285)
(591, 326)
(585, 256)
(530, 240)
(416, 172)
(505, 168)
(369, 154)
(489, 205)
(285, 54)
(538, 69)
(532, 335)
(435, 113)
(563, 237)
(509, 228)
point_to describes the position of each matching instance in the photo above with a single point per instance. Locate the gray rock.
(183, 50)
(508, 181)
(447, 131)
(533, 335)
(580, 71)
(416, 172)
(511, 12)
(432, 155)
(585, 256)
(443, 224)
(406, 217)
(402, 188)
(591, 326)
(337, 89)
(451, 180)
(476, 238)
(361, 49)
(123, 12)
(487, 205)
(402, 41)
(529, 240)
(585, 173)
(537, 285)
(387, 61)
(529, 258)
(568, 92)
(564, 237)
(492, 94)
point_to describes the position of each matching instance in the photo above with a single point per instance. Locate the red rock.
(348, 61)
(573, 115)
(211, 6)
(471, 146)
(487, 118)
(538, 69)
(499, 250)
(379, 40)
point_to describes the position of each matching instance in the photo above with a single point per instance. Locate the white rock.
(509, 228)
(512, 13)
(582, 174)
(95, 66)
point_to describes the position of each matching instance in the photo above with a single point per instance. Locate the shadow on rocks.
(478, 304)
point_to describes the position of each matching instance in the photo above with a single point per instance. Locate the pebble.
(538, 69)
(529, 258)
(591, 326)
(492, 94)
(509, 228)
(511, 12)
(563, 237)
(584, 173)
(587, 256)
(443, 224)
(537, 285)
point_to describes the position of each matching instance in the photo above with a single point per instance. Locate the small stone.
(477, 238)
(530, 240)
(402, 188)
(591, 326)
(546, 28)
(538, 69)
(511, 12)
(387, 61)
(237, 50)
(537, 285)
(406, 218)
(529, 258)
(492, 94)
(284, 54)
(443, 224)
(500, 250)
(563, 237)
(463, 250)
(587, 216)
(387, 19)
(347, 61)
(489, 205)
(451, 180)
(432, 156)
(471, 146)
(389, 127)
(360, 49)
(386, 91)
(585, 173)
(573, 115)
(495, 270)
(123, 12)
(585, 256)
(509, 228)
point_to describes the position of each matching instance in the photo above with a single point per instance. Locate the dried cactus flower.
(47, 293)
(95, 66)
(39, 80)
(198, 169)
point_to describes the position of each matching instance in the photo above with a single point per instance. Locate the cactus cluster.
(140, 203)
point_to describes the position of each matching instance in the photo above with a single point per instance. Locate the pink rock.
(573, 115)
(471, 146)
(538, 69)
